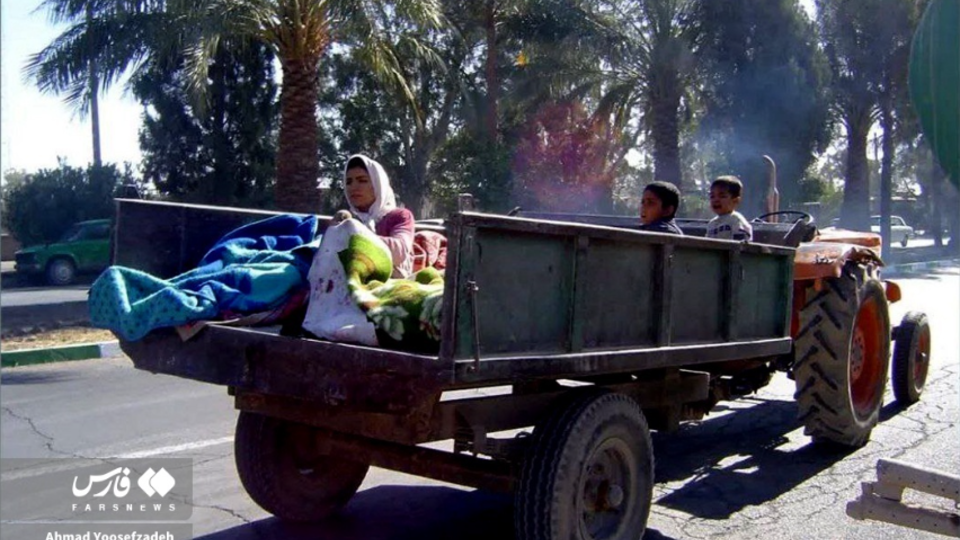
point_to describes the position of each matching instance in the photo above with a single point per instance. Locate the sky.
(36, 129)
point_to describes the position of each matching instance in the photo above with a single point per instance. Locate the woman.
(332, 312)
(373, 203)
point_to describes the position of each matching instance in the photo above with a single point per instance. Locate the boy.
(658, 206)
(724, 199)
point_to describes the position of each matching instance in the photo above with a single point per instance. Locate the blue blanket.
(253, 268)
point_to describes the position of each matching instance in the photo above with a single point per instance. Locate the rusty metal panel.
(508, 369)
(167, 239)
(764, 294)
(334, 374)
(619, 296)
(525, 285)
(697, 306)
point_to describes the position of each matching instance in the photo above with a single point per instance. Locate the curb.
(83, 351)
(904, 270)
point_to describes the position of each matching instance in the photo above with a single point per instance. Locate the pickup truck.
(583, 336)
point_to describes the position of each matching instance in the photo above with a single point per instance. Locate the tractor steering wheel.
(803, 216)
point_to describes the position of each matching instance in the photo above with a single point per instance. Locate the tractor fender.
(817, 260)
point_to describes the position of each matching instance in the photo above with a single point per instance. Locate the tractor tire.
(61, 272)
(842, 351)
(911, 358)
(282, 471)
(588, 473)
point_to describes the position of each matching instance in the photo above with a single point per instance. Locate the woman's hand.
(341, 216)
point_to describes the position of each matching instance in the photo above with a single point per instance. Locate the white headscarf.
(386, 200)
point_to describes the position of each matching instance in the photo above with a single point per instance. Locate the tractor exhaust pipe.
(773, 194)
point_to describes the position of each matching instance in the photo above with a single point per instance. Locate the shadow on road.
(401, 513)
(724, 464)
(12, 377)
(732, 462)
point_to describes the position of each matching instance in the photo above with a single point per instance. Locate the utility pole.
(94, 97)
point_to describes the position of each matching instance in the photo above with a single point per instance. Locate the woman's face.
(359, 189)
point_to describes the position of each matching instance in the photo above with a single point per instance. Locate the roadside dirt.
(41, 338)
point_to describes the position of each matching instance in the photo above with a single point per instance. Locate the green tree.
(223, 153)
(765, 93)
(44, 204)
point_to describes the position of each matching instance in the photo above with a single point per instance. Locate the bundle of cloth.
(354, 300)
(362, 282)
(260, 268)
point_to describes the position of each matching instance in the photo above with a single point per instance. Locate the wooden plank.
(898, 473)
(877, 508)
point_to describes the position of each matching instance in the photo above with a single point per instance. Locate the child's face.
(651, 208)
(721, 202)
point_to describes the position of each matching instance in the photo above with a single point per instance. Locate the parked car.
(899, 230)
(85, 247)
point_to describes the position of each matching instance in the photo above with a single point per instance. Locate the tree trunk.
(886, 174)
(855, 212)
(665, 126)
(298, 165)
(493, 82)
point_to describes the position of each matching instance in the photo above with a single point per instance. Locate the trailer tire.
(842, 351)
(911, 358)
(282, 472)
(588, 473)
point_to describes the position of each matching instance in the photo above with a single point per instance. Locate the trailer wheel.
(842, 350)
(588, 473)
(911, 357)
(283, 472)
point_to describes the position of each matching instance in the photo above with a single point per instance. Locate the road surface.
(745, 472)
(31, 296)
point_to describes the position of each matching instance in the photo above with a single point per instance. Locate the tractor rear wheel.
(842, 351)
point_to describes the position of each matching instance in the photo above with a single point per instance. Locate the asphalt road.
(30, 296)
(745, 472)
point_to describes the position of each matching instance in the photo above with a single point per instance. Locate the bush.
(41, 206)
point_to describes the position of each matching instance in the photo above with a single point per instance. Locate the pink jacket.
(395, 228)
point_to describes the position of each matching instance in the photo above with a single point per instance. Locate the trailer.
(562, 345)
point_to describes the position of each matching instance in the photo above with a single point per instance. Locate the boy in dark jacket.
(658, 207)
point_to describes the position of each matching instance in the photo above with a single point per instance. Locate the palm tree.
(862, 45)
(298, 31)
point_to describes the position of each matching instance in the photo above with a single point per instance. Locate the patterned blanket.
(255, 268)
(354, 300)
